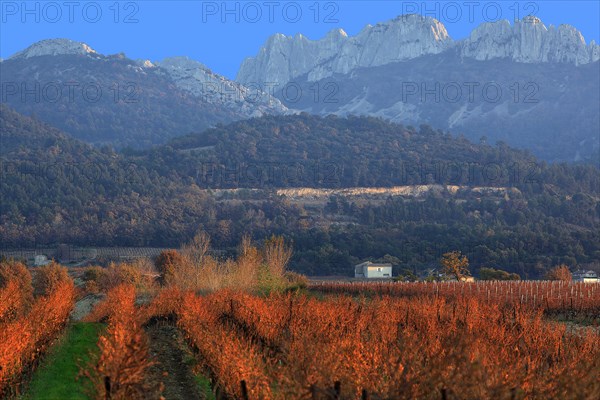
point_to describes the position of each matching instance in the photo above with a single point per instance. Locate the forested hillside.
(358, 151)
(58, 190)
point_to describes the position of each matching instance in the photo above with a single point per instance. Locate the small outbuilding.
(373, 270)
(585, 276)
(39, 260)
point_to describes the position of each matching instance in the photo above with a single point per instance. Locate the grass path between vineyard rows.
(58, 375)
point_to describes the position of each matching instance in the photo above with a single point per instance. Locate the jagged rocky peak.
(405, 37)
(54, 47)
(336, 34)
(529, 41)
(283, 58)
(145, 63)
(420, 23)
(410, 36)
(197, 79)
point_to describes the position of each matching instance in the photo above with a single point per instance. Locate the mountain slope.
(334, 152)
(64, 191)
(117, 101)
(535, 87)
(57, 189)
(303, 150)
(549, 109)
(20, 133)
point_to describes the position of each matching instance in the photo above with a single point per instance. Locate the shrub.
(167, 264)
(92, 277)
(127, 274)
(16, 290)
(255, 268)
(139, 273)
(560, 273)
(93, 273)
(212, 275)
(296, 280)
(25, 338)
(48, 277)
(271, 271)
(491, 274)
(13, 270)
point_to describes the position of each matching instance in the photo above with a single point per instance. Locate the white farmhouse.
(40, 260)
(372, 270)
(585, 276)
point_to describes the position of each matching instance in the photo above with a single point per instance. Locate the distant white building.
(373, 270)
(40, 260)
(585, 276)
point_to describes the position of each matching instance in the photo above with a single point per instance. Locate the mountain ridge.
(111, 99)
(543, 73)
(53, 47)
(411, 36)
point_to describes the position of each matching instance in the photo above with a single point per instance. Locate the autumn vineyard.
(449, 340)
(307, 200)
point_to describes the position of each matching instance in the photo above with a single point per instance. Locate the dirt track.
(175, 359)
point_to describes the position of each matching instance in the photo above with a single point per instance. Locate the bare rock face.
(403, 38)
(54, 47)
(284, 57)
(529, 41)
(406, 37)
(199, 80)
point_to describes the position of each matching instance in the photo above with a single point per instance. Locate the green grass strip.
(204, 386)
(56, 378)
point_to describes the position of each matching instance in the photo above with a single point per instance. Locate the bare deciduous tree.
(194, 254)
(277, 255)
(248, 263)
(197, 248)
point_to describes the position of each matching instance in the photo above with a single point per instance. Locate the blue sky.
(221, 34)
